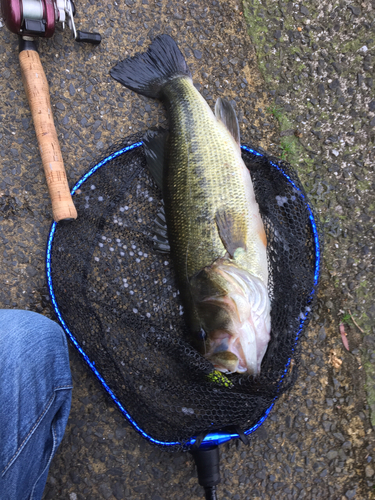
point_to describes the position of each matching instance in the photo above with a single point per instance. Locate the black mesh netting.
(118, 299)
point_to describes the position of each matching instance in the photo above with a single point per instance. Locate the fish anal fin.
(155, 147)
(230, 232)
(225, 113)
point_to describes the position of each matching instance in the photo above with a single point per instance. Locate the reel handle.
(37, 91)
(84, 36)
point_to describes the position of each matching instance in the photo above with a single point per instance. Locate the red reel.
(33, 18)
(30, 17)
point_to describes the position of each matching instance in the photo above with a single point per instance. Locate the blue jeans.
(35, 398)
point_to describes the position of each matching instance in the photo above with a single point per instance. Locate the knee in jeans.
(26, 332)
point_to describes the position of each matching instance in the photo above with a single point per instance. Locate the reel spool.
(39, 18)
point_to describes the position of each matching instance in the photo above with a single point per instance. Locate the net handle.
(210, 492)
(207, 461)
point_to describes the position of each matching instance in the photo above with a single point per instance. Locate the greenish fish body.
(205, 178)
(215, 231)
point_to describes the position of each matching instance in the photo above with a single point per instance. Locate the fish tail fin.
(148, 72)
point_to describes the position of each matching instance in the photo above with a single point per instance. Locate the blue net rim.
(214, 438)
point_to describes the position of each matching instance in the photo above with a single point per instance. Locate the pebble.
(31, 271)
(322, 333)
(105, 490)
(25, 123)
(355, 9)
(369, 471)
(327, 426)
(60, 106)
(332, 454)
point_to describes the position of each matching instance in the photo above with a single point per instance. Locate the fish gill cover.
(117, 299)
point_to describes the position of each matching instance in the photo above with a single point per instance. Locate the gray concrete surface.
(302, 83)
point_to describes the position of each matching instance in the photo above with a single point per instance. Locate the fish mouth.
(226, 362)
(233, 353)
(240, 342)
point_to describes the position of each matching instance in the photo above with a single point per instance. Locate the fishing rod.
(30, 20)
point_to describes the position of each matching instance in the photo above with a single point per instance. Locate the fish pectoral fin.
(155, 147)
(230, 232)
(160, 238)
(225, 113)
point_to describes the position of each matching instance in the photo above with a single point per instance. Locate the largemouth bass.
(215, 231)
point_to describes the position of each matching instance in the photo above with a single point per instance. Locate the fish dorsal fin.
(230, 232)
(225, 113)
(154, 145)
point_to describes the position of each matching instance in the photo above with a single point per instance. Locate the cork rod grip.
(37, 91)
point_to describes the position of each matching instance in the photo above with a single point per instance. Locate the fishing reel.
(38, 18)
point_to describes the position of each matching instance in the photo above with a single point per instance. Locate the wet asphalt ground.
(301, 79)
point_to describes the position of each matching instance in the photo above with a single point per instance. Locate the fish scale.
(202, 178)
